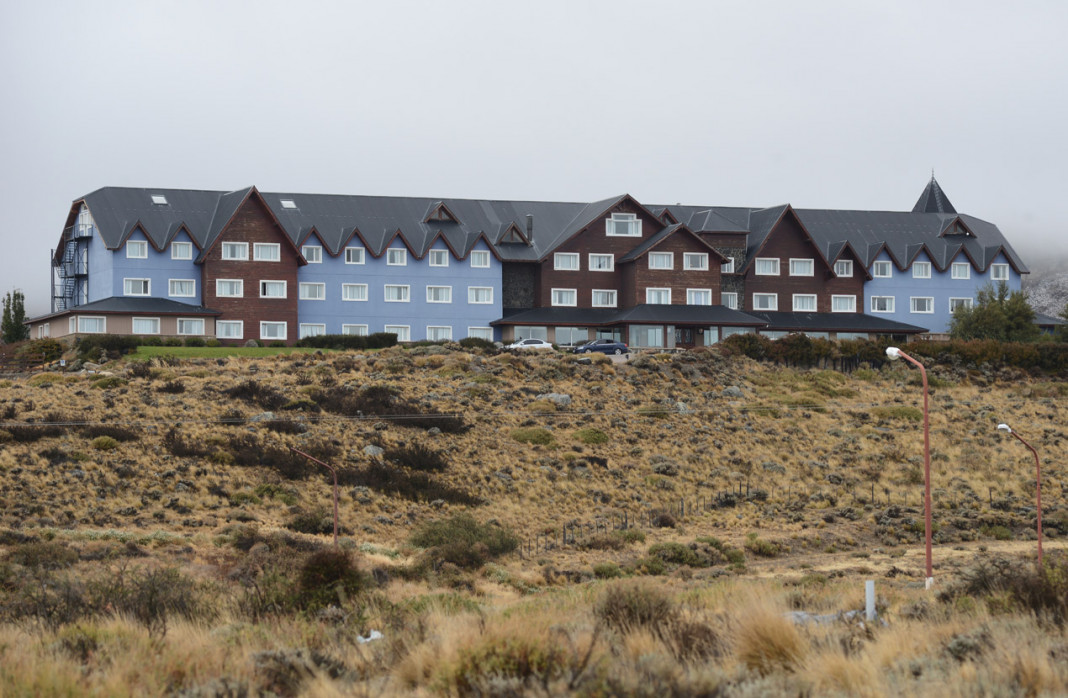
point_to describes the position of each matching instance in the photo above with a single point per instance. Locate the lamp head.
(1005, 427)
(893, 352)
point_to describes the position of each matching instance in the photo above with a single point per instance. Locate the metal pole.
(332, 470)
(926, 468)
(1038, 492)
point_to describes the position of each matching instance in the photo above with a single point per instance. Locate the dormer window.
(288, 203)
(843, 268)
(159, 199)
(623, 225)
(312, 253)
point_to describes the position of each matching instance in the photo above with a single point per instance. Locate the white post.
(869, 599)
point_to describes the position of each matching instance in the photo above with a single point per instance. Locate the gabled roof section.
(440, 213)
(763, 222)
(956, 226)
(228, 206)
(510, 234)
(652, 242)
(589, 214)
(933, 199)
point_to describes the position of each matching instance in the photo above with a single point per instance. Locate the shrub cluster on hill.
(377, 340)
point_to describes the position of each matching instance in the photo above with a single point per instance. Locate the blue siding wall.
(100, 270)
(158, 267)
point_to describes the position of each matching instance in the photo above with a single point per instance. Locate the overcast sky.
(818, 104)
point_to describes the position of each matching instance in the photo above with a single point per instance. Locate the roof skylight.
(159, 199)
(288, 203)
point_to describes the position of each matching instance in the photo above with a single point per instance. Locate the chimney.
(530, 229)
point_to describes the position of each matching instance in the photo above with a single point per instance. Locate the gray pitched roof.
(834, 322)
(933, 199)
(126, 304)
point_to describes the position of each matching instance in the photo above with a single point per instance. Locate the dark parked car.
(605, 346)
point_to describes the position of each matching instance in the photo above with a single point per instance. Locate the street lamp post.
(894, 353)
(1038, 484)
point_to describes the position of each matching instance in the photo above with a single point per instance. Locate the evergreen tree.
(11, 327)
(1061, 332)
(997, 314)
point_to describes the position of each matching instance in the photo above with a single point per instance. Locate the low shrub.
(628, 607)
(662, 519)
(591, 436)
(46, 350)
(766, 641)
(385, 401)
(178, 444)
(533, 435)
(93, 345)
(413, 486)
(377, 340)
(194, 341)
(462, 541)
(285, 426)
(110, 430)
(607, 570)
(911, 414)
(109, 382)
(329, 576)
(46, 555)
(172, 387)
(478, 343)
(1014, 585)
(104, 443)
(522, 663)
(256, 393)
(417, 457)
(761, 547)
(315, 522)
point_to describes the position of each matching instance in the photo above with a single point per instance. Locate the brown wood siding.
(677, 279)
(253, 224)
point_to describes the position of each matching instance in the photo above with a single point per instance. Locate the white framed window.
(603, 298)
(566, 261)
(229, 288)
(439, 258)
(766, 266)
(564, 296)
(136, 287)
(396, 257)
(843, 268)
(999, 272)
(882, 270)
(354, 330)
(88, 324)
(397, 293)
(695, 261)
(181, 250)
(353, 292)
(312, 253)
(602, 262)
(439, 294)
(191, 325)
(921, 304)
(698, 296)
(145, 325)
(480, 259)
(44, 330)
(182, 288)
(480, 295)
(136, 249)
(626, 225)
(765, 301)
(727, 267)
(804, 303)
(729, 300)
(658, 296)
(272, 289)
(438, 333)
(403, 332)
(235, 251)
(661, 260)
(72, 324)
(882, 304)
(921, 270)
(266, 252)
(843, 304)
(955, 303)
(229, 329)
(273, 331)
(311, 329)
(481, 333)
(309, 291)
(961, 270)
(802, 267)
(355, 255)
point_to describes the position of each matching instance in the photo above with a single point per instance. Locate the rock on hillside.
(1048, 293)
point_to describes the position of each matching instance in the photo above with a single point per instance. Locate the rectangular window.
(235, 251)
(312, 253)
(229, 288)
(481, 333)
(882, 270)
(921, 304)
(354, 330)
(354, 255)
(91, 325)
(921, 270)
(566, 261)
(603, 298)
(396, 257)
(439, 258)
(602, 262)
(438, 333)
(397, 294)
(729, 300)
(136, 249)
(765, 301)
(623, 225)
(181, 250)
(273, 331)
(44, 330)
(661, 260)
(695, 261)
(353, 292)
(266, 252)
(72, 324)
(843, 304)
(311, 330)
(658, 296)
(843, 268)
(802, 267)
(698, 296)
(999, 272)
(480, 259)
(955, 303)
(533, 332)
(571, 336)
(190, 326)
(480, 295)
(272, 289)
(403, 332)
(145, 325)
(961, 270)
(804, 303)
(882, 304)
(312, 291)
(229, 329)
(766, 266)
(727, 267)
(646, 336)
(182, 288)
(136, 287)
(564, 296)
(439, 294)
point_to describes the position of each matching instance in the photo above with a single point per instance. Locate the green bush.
(761, 547)
(509, 661)
(94, 344)
(911, 414)
(378, 340)
(477, 343)
(533, 435)
(47, 349)
(194, 341)
(627, 607)
(327, 577)
(463, 541)
(607, 570)
(48, 555)
(109, 382)
(591, 436)
(676, 554)
(104, 443)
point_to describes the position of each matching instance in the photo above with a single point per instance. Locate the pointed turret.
(933, 199)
